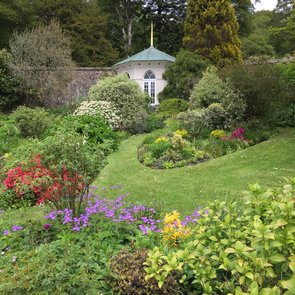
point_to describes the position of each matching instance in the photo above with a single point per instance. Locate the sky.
(266, 5)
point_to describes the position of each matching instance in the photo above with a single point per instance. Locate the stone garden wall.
(83, 79)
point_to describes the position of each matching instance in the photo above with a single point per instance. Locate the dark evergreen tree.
(182, 75)
(168, 17)
(86, 26)
(14, 15)
(211, 30)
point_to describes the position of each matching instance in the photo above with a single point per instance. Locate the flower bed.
(180, 149)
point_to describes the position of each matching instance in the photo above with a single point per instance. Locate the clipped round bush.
(105, 109)
(31, 122)
(171, 107)
(125, 95)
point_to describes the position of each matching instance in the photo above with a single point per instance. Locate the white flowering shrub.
(126, 96)
(103, 108)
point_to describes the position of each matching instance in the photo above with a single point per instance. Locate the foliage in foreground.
(236, 249)
(227, 248)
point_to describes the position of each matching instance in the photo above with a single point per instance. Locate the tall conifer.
(211, 30)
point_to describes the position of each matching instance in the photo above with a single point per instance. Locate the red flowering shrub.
(47, 185)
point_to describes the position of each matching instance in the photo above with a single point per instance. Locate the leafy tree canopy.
(14, 14)
(84, 24)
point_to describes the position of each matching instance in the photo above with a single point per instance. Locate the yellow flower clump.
(181, 132)
(161, 139)
(218, 133)
(174, 231)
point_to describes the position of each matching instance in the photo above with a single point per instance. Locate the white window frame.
(150, 86)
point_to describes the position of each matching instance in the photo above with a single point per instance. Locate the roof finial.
(152, 34)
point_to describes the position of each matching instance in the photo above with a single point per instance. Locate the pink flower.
(47, 226)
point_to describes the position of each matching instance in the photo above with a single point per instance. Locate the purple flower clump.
(116, 210)
(6, 232)
(16, 228)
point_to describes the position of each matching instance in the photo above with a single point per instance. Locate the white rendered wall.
(136, 71)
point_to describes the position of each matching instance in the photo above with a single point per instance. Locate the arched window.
(149, 85)
(149, 75)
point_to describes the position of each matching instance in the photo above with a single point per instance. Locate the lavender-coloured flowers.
(6, 232)
(16, 228)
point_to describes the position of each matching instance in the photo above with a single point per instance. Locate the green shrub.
(257, 136)
(130, 276)
(211, 90)
(9, 199)
(9, 136)
(193, 121)
(71, 265)
(67, 167)
(10, 87)
(94, 130)
(154, 122)
(157, 149)
(126, 96)
(217, 148)
(172, 107)
(285, 117)
(262, 88)
(235, 248)
(215, 116)
(31, 122)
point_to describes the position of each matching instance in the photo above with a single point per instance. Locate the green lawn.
(186, 188)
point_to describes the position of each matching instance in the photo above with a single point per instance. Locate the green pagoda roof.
(150, 54)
